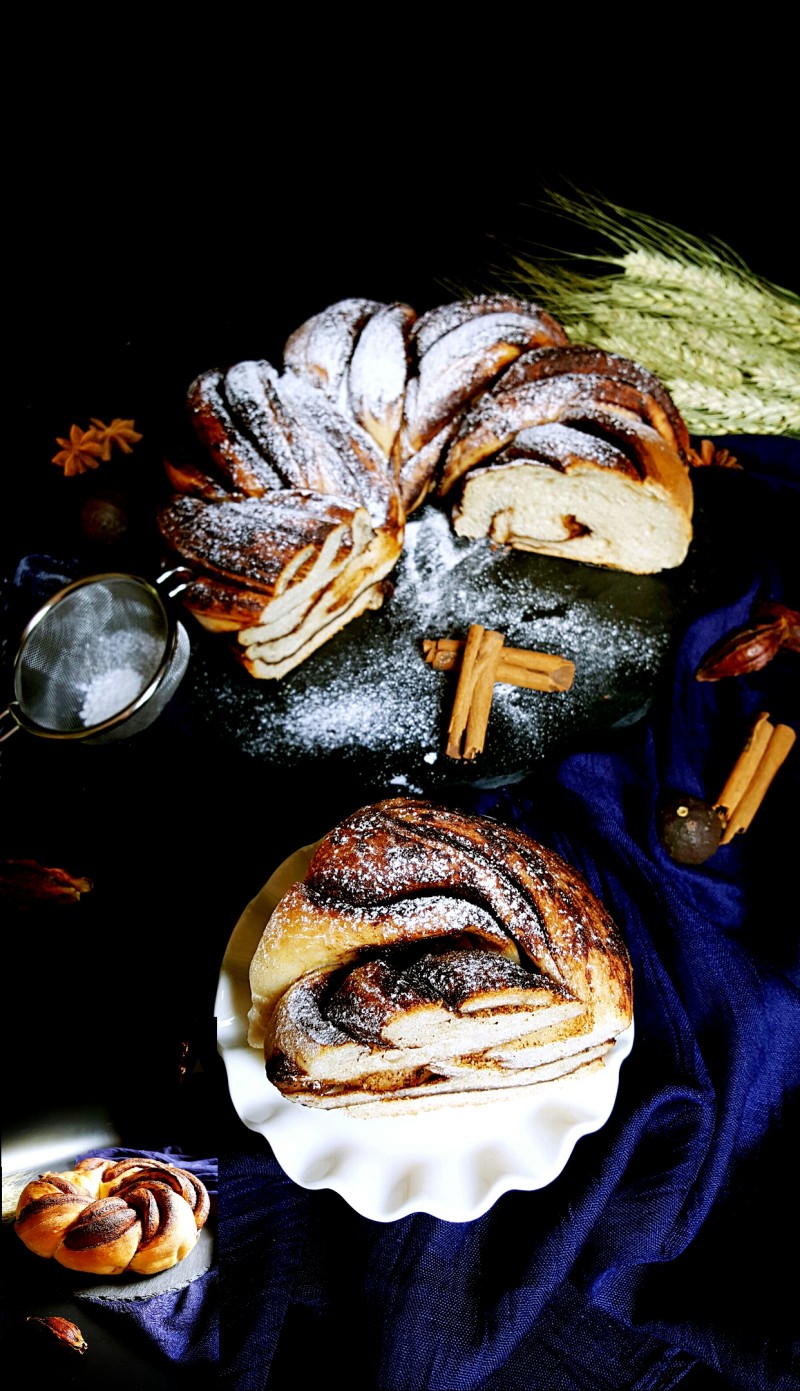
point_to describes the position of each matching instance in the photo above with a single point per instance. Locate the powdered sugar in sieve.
(128, 663)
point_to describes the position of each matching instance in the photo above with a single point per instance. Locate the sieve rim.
(16, 708)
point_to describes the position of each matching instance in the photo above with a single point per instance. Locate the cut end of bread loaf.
(621, 523)
(563, 492)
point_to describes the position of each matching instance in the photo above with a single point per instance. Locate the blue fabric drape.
(663, 1252)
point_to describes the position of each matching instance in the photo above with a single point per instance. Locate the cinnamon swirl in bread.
(458, 350)
(429, 958)
(105, 1217)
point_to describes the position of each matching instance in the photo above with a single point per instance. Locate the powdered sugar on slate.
(368, 702)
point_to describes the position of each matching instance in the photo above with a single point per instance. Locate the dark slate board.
(367, 707)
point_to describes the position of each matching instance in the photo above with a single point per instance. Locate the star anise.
(713, 456)
(82, 451)
(120, 433)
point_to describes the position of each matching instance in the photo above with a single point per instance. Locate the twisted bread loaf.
(431, 957)
(105, 1217)
(292, 515)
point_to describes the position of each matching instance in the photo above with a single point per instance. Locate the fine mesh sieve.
(99, 660)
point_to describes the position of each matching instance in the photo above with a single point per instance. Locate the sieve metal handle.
(169, 575)
(14, 725)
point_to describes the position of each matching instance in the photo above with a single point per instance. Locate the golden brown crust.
(259, 543)
(574, 358)
(378, 370)
(556, 397)
(283, 572)
(245, 468)
(444, 318)
(321, 347)
(106, 1217)
(313, 520)
(469, 347)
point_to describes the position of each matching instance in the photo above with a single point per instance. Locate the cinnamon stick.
(742, 772)
(442, 653)
(780, 741)
(464, 691)
(473, 698)
(481, 704)
(538, 671)
(517, 666)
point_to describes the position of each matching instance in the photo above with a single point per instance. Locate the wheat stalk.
(713, 408)
(776, 379)
(643, 239)
(668, 349)
(712, 354)
(724, 341)
(720, 291)
(702, 296)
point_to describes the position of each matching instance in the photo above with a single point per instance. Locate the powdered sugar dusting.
(322, 345)
(369, 702)
(126, 664)
(379, 366)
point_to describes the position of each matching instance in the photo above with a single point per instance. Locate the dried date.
(750, 648)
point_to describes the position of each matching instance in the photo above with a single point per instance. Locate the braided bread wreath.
(292, 491)
(105, 1217)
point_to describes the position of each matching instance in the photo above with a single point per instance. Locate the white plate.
(453, 1163)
